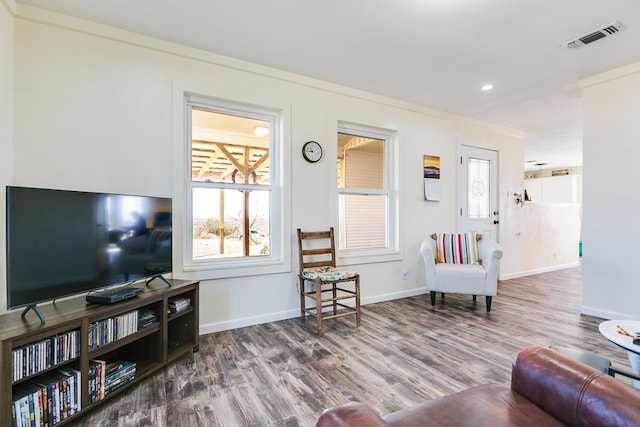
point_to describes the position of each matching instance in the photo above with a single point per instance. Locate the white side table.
(610, 330)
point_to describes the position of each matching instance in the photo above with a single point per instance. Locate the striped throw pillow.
(459, 248)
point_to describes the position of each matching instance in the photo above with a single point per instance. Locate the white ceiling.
(430, 52)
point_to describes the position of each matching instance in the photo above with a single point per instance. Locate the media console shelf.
(79, 341)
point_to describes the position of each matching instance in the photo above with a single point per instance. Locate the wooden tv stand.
(150, 348)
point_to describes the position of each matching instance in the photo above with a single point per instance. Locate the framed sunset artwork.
(431, 167)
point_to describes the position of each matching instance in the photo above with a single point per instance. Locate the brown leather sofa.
(547, 389)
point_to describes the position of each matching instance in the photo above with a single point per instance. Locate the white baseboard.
(539, 271)
(395, 295)
(247, 321)
(290, 314)
(609, 315)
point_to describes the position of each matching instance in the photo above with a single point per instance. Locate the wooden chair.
(317, 256)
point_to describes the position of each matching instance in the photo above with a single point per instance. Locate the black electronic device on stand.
(113, 295)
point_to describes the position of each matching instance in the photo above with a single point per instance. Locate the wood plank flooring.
(405, 351)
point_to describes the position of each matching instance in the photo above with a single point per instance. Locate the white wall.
(94, 111)
(555, 189)
(510, 170)
(611, 283)
(7, 10)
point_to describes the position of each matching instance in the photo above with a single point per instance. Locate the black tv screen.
(61, 243)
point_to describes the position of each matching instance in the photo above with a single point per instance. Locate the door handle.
(495, 221)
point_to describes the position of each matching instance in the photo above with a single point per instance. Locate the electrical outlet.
(405, 273)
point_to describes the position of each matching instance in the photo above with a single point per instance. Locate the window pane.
(219, 223)
(360, 162)
(228, 148)
(363, 221)
(479, 188)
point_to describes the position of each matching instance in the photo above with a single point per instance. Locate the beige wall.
(552, 221)
(551, 236)
(97, 109)
(7, 10)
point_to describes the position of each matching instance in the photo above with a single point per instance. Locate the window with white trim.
(367, 205)
(231, 193)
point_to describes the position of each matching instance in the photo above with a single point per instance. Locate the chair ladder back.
(308, 256)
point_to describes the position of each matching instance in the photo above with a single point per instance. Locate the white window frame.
(390, 179)
(276, 262)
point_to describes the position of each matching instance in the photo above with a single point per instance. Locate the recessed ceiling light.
(487, 87)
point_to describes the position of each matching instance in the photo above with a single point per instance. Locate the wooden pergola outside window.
(230, 157)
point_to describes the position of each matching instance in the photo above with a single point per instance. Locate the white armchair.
(474, 279)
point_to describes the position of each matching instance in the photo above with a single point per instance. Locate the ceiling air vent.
(598, 34)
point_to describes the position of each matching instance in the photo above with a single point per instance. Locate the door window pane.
(479, 189)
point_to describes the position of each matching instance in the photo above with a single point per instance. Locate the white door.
(478, 191)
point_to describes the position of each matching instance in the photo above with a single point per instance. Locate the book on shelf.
(146, 317)
(75, 388)
(120, 383)
(47, 399)
(178, 304)
(112, 329)
(25, 411)
(42, 355)
(122, 369)
(117, 374)
(105, 378)
(97, 370)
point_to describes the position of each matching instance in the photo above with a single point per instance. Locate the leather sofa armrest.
(352, 414)
(573, 392)
(550, 381)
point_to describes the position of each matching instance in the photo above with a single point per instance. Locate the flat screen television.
(61, 243)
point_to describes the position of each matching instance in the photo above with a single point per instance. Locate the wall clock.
(312, 151)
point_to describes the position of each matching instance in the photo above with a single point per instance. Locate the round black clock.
(312, 151)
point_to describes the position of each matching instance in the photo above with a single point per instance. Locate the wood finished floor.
(405, 351)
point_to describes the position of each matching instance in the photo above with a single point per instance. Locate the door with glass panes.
(478, 191)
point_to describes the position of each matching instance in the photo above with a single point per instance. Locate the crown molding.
(10, 5)
(614, 74)
(46, 17)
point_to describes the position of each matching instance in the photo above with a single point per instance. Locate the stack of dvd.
(112, 329)
(118, 374)
(40, 356)
(96, 380)
(176, 305)
(48, 399)
(146, 317)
